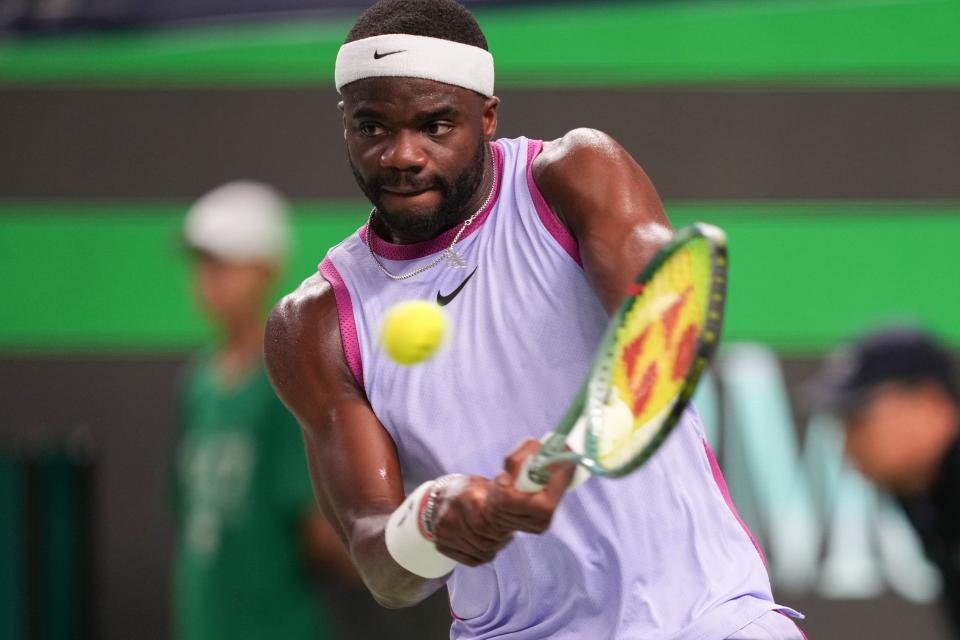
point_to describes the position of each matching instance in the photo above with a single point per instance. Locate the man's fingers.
(537, 524)
(475, 518)
(467, 542)
(561, 473)
(466, 518)
(510, 508)
(469, 559)
(461, 527)
(513, 463)
(512, 500)
(471, 537)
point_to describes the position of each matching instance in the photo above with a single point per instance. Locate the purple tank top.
(657, 555)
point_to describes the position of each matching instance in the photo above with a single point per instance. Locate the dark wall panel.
(694, 144)
(123, 410)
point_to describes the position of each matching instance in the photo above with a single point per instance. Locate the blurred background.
(823, 135)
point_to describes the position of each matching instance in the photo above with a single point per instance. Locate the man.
(898, 396)
(529, 246)
(245, 515)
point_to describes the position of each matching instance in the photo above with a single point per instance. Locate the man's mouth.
(405, 192)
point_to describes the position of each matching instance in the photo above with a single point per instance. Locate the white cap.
(242, 221)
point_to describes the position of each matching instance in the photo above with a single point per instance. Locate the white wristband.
(409, 544)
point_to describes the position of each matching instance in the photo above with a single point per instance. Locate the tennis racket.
(647, 366)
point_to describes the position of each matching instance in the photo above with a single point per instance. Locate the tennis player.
(528, 245)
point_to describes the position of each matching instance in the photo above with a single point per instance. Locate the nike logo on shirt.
(444, 300)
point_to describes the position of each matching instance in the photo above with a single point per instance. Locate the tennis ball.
(412, 331)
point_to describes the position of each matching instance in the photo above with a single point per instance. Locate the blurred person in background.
(897, 394)
(248, 532)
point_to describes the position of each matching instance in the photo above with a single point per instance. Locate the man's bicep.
(352, 459)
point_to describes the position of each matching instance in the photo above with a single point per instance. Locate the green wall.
(894, 43)
(108, 276)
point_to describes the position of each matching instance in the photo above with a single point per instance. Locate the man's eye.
(370, 129)
(438, 128)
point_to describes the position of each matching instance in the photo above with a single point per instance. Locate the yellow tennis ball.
(412, 331)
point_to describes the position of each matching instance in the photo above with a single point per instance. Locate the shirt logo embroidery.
(444, 300)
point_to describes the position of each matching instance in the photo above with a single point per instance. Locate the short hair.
(444, 19)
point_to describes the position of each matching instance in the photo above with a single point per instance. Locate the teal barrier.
(46, 554)
(12, 549)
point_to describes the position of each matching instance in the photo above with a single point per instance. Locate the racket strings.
(653, 352)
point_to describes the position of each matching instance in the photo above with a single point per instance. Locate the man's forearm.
(391, 585)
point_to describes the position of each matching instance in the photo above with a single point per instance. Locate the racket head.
(654, 351)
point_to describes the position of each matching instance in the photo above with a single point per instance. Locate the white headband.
(405, 56)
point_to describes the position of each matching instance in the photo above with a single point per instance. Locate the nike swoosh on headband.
(377, 55)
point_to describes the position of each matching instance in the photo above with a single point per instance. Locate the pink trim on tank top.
(453, 614)
(722, 485)
(550, 221)
(348, 326)
(802, 634)
(392, 251)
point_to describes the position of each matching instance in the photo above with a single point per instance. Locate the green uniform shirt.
(241, 488)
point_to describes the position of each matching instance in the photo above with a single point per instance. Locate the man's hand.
(461, 528)
(521, 511)
(476, 517)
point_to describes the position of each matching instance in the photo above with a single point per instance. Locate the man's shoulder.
(306, 313)
(304, 307)
(308, 293)
(578, 166)
(302, 346)
(577, 146)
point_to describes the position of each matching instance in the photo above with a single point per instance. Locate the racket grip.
(524, 482)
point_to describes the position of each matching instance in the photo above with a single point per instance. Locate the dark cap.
(904, 355)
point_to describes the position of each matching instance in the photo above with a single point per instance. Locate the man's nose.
(404, 153)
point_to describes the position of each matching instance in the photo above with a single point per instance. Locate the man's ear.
(490, 116)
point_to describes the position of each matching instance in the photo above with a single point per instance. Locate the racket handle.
(574, 441)
(524, 482)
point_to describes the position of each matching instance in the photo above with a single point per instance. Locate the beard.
(425, 222)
